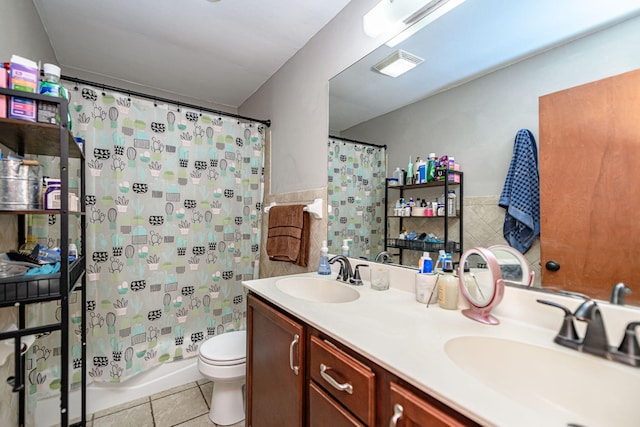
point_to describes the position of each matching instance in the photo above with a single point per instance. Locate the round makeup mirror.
(513, 266)
(481, 283)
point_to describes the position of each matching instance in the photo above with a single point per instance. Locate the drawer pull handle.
(397, 414)
(335, 384)
(296, 338)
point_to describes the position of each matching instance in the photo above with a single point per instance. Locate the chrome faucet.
(595, 338)
(383, 257)
(345, 273)
(618, 293)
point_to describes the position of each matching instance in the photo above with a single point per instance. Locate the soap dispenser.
(345, 247)
(448, 287)
(324, 267)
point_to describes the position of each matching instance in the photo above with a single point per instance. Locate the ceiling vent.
(399, 62)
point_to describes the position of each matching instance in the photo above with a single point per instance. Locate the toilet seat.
(225, 349)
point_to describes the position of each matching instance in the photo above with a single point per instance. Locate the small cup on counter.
(379, 278)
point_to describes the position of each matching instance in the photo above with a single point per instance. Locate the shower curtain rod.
(358, 142)
(165, 100)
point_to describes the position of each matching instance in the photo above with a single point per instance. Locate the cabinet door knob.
(295, 369)
(552, 265)
(397, 414)
(335, 384)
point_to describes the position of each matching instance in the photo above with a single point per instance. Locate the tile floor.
(184, 406)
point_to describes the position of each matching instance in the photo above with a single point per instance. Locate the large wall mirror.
(486, 64)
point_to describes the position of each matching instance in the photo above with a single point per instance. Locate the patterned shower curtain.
(356, 194)
(173, 213)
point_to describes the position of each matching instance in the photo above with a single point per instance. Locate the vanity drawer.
(325, 411)
(349, 381)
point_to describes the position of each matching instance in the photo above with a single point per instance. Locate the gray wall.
(477, 122)
(296, 99)
(22, 33)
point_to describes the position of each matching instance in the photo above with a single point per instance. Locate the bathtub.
(103, 395)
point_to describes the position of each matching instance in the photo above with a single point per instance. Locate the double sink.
(539, 377)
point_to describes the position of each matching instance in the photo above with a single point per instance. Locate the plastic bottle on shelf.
(451, 203)
(397, 174)
(324, 267)
(431, 167)
(51, 86)
(409, 179)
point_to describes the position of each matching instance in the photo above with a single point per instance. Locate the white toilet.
(223, 360)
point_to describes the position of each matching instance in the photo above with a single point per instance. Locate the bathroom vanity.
(383, 357)
(324, 382)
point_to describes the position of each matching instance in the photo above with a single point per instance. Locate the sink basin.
(578, 388)
(317, 289)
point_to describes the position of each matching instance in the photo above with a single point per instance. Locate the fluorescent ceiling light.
(399, 62)
(423, 20)
(390, 17)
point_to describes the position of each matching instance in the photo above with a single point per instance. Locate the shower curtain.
(356, 194)
(173, 212)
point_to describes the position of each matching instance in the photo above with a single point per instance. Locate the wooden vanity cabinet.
(324, 410)
(411, 410)
(276, 396)
(348, 381)
(275, 369)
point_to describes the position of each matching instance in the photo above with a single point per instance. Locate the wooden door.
(275, 370)
(590, 186)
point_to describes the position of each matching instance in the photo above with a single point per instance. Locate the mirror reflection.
(474, 111)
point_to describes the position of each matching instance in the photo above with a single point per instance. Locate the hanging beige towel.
(288, 234)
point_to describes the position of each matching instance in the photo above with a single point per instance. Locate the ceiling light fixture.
(398, 63)
(391, 17)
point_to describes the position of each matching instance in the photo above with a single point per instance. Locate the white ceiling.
(217, 52)
(478, 37)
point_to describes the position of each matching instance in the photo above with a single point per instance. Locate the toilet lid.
(228, 348)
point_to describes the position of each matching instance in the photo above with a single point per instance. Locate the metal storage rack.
(419, 245)
(23, 138)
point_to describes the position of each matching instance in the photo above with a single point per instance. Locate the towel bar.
(314, 208)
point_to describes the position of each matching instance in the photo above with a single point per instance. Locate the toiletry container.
(448, 288)
(223, 360)
(409, 179)
(451, 203)
(345, 247)
(426, 264)
(399, 175)
(50, 86)
(324, 267)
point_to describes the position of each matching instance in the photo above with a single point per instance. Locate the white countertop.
(395, 331)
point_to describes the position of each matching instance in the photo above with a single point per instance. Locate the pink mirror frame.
(481, 312)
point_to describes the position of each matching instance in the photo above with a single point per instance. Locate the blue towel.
(521, 194)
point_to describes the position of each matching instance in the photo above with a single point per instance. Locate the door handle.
(335, 384)
(295, 369)
(552, 265)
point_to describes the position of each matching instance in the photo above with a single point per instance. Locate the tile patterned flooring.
(184, 406)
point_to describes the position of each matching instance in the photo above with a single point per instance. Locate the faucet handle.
(356, 279)
(618, 293)
(629, 344)
(567, 335)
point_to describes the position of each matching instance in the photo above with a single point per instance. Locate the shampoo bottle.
(324, 267)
